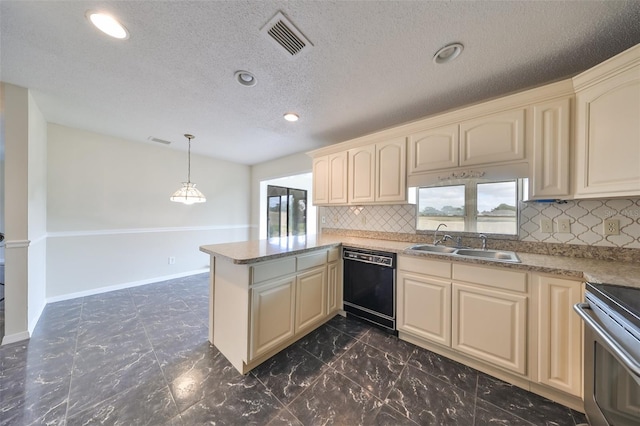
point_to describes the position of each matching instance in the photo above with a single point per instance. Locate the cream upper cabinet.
(362, 168)
(377, 173)
(433, 149)
(559, 334)
(607, 146)
(493, 138)
(320, 180)
(549, 175)
(391, 171)
(330, 179)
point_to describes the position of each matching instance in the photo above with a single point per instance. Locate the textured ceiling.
(370, 66)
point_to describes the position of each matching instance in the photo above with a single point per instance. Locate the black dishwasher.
(370, 286)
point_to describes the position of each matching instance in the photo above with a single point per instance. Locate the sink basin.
(505, 256)
(433, 249)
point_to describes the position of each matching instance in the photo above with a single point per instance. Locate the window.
(472, 206)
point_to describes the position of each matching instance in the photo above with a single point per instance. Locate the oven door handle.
(620, 353)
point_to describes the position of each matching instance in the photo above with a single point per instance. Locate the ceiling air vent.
(282, 32)
(152, 139)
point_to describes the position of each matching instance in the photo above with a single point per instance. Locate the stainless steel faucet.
(436, 241)
(484, 241)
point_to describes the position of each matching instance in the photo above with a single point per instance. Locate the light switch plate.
(564, 225)
(611, 227)
(546, 226)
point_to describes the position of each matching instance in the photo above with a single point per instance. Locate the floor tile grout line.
(73, 363)
(284, 406)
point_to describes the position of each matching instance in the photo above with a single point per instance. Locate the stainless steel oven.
(370, 286)
(611, 354)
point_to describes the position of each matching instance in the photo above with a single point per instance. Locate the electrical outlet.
(172, 260)
(335, 219)
(546, 226)
(324, 220)
(364, 220)
(611, 227)
(564, 225)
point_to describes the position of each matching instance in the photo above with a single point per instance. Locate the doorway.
(286, 211)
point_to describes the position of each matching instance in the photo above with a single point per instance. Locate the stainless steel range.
(611, 354)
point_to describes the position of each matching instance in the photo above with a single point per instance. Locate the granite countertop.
(593, 270)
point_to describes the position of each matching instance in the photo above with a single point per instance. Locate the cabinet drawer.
(269, 270)
(311, 260)
(490, 277)
(425, 266)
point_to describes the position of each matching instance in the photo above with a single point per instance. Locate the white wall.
(285, 166)
(15, 131)
(37, 214)
(110, 222)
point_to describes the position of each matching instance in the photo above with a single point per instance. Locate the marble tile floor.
(140, 356)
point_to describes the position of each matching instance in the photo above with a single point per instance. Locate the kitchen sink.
(433, 249)
(505, 256)
(498, 255)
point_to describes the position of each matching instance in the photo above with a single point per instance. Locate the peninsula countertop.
(593, 270)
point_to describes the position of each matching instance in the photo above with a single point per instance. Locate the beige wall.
(110, 222)
(281, 167)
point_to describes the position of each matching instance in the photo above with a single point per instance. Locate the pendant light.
(188, 194)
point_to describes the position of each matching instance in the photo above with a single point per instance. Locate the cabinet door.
(608, 137)
(338, 178)
(321, 180)
(492, 139)
(311, 298)
(559, 334)
(550, 163)
(424, 307)
(490, 325)
(362, 163)
(433, 149)
(272, 315)
(391, 171)
(334, 280)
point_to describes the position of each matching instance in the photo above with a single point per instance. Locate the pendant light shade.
(188, 194)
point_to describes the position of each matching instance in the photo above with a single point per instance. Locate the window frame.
(471, 215)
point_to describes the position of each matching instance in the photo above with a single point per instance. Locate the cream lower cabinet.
(262, 307)
(272, 315)
(424, 299)
(311, 298)
(490, 325)
(559, 333)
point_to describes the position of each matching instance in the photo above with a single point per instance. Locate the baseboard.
(17, 337)
(130, 284)
(34, 320)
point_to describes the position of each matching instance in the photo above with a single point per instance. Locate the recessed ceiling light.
(108, 25)
(245, 78)
(290, 116)
(448, 53)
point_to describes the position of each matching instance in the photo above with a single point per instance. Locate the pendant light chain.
(189, 161)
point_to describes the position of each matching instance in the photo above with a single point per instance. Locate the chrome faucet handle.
(484, 241)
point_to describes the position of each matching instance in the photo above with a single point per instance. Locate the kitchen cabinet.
(311, 298)
(330, 179)
(494, 138)
(559, 334)
(272, 315)
(489, 315)
(550, 162)
(262, 307)
(424, 299)
(487, 140)
(434, 149)
(334, 281)
(377, 173)
(607, 144)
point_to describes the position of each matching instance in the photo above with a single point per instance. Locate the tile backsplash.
(585, 216)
